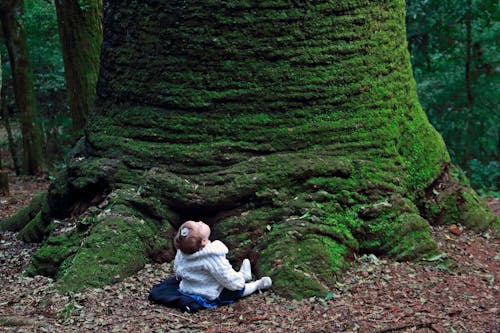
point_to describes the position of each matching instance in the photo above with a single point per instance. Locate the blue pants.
(167, 293)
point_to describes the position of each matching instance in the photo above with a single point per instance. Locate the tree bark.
(80, 31)
(4, 179)
(469, 152)
(15, 39)
(4, 182)
(8, 130)
(468, 54)
(293, 129)
(1, 86)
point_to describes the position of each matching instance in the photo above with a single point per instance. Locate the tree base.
(4, 183)
(301, 235)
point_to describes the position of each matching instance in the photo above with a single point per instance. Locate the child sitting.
(205, 274)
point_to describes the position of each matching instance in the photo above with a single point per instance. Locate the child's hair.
(186, 243)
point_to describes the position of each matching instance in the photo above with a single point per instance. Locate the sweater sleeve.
(223, 272)
(177, 259)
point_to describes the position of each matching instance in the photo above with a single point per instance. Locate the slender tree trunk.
(80, 30)
(15, 39)
(4, 180)
(469, 152)
(8, 130)
(468, 54)
(1, 86)
(4, 107)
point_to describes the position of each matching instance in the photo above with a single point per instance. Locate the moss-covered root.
(394, 227)
(55, 250)
(36, 230)
(305, 267)
(116, 247)
(104, 246)
(411, 238)
(104, 260)
(450, 200)
(19, 220)
(306, 254)
(461, 205)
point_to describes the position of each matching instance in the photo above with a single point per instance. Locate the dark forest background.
(454, 53)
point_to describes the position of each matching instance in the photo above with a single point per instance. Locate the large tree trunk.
(80, 31)
(11, 13)
(293, 129)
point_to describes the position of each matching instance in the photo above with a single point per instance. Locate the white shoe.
(265, 282)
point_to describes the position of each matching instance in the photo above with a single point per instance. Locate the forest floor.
(374, 295)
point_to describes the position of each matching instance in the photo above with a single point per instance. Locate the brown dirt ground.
(374, 295)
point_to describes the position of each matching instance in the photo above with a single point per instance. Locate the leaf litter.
(376, 294)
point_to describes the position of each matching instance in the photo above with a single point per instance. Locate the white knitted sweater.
(207, 272)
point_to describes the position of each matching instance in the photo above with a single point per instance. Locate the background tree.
(48, 68)
(293, 129)
(11, 13)
(8, 131)
(80, 30)
(1, 164)
(4, 180)
(454, 50)
(40, 21)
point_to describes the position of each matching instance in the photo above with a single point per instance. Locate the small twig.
(405, 326)
(182, 317)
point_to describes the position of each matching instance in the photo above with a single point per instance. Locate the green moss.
(475, 213)
(303, 267)
(100, 172)
(410, 238)
(450, 202)
(35, 231)
(243, 231)
(337, 254)
(114, 250)
(106, 245)
(26, 214)
(48, 259)
(393, 226)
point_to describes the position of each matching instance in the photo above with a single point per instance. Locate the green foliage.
(436, 33)
(48, 68)
(48, 73)
(45, 50)
(84, 4)
(486, 176)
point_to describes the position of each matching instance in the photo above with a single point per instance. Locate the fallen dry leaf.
(454, 229)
